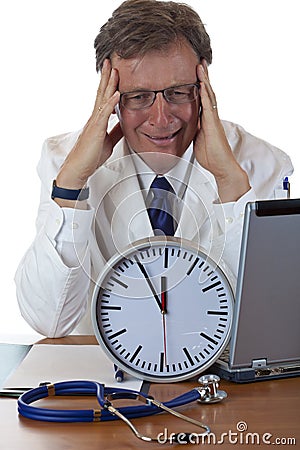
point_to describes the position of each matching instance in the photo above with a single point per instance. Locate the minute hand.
(144, 272)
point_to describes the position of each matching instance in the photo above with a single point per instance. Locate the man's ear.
(117, 111)
(204, 64)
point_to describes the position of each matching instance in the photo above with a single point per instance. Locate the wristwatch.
(162, 310)
(69, 194)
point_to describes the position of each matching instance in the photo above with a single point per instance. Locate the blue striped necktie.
(160, 212)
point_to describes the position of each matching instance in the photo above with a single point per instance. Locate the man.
(154, 59)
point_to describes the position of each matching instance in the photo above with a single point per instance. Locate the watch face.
(162, 311)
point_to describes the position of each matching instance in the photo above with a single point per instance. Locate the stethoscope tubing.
(101, 392)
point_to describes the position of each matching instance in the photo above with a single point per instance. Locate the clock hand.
(144, 272)
(163, 289)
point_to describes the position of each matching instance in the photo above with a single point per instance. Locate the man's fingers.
(106, 101)
(112, 84)
(208, 101)
(105, 109)
(104, 80)
(208, 98)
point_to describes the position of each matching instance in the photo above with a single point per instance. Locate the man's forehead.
(134, 62)
(170, 66)
(130, 63)
(177, 47)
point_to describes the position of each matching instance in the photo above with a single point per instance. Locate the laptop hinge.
(257, 363)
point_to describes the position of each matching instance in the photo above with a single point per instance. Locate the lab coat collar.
(124, 201)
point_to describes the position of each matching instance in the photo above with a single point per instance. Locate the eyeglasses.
(136, 100)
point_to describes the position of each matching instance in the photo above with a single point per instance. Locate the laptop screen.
(267, 311)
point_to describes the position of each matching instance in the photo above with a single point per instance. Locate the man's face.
(164, 130)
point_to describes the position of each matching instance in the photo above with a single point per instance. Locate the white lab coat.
(54, 298)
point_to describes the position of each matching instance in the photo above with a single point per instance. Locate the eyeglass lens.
(144, 99)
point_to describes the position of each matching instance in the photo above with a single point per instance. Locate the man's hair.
(140, 26)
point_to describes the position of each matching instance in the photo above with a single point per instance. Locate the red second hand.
(164, 311)
(163, 303)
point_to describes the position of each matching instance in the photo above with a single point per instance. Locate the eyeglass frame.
(160, 91)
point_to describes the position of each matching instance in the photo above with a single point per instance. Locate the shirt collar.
(178, 176)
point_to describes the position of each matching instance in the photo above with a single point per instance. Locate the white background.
(48, 84)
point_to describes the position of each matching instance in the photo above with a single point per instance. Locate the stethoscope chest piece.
(209, 392)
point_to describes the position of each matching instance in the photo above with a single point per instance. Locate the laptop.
(265, 339)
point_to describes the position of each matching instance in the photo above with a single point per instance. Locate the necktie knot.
(160, 183)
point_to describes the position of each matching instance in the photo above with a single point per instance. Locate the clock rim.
(138, 245)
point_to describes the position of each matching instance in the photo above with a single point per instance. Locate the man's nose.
(160, 114)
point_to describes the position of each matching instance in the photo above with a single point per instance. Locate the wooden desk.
(270, 410)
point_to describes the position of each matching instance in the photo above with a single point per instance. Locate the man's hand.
(211, 146)
(94, 146)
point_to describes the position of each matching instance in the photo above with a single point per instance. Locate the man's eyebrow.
(139, 90)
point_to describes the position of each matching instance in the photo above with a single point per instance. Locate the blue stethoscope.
(206, 393)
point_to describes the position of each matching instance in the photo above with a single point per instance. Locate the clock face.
(162, 311)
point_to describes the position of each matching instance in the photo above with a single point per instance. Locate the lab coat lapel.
(197, 204)
(123, 201)
(130, 221)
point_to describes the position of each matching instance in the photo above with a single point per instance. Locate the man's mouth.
(162, 138)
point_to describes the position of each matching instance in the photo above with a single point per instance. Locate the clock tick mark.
(111, 308)
(118, 333)
(192, 267)
(161, 362)
(211, 286)
(124, 285)
(208, 338)
(217, 313)
(188, 355)
(166, 259)
(137, 351)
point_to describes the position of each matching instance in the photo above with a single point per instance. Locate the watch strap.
(69, 194)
